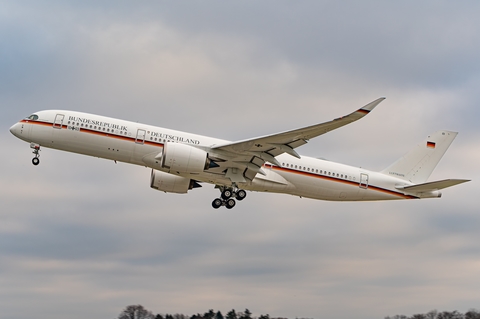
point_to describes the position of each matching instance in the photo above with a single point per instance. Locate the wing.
(286, 142)
(253, 153)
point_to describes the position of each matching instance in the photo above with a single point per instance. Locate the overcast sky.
(82, 237)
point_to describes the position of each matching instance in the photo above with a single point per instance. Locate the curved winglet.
(370, 106)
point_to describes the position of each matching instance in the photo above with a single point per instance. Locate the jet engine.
(170, 183)
(184, 158)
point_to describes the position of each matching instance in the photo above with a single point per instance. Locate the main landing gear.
(36, 150)
(227, 198)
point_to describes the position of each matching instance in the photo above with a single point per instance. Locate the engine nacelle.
(184, 158)
(170, 183)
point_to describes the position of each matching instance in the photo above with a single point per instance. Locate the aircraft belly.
(335, 191)
(313, 187)
(261, 185)
(271, 182)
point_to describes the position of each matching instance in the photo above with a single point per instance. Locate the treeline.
(434, 314)
(139, 312)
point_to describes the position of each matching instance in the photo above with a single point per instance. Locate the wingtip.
(370, 106)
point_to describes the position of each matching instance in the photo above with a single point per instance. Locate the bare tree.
(135, 312)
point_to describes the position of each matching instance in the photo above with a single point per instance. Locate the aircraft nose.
(14, 129)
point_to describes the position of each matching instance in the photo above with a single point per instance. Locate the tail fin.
(417, 165)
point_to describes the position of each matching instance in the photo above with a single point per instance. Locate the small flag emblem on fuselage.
(430, 144)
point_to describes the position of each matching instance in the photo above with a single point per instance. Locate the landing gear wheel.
(36, 150)
(240, 194)
(217, 203)
(230, 203)
(226, 194)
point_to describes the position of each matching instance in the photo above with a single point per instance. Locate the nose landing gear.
(36, 150)
(227, 199)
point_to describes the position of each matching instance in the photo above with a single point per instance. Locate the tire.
(35, 161)
(217, 203)
(241, 194)
(226, 194)
(230, 203)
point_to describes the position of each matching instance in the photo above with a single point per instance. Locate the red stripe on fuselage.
(339, 180)
(40, 123)
(98, 133)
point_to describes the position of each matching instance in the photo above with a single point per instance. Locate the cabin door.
(140, 139)
(58, 121)
(363, 181)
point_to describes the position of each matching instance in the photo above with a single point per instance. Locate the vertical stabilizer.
(417, 165)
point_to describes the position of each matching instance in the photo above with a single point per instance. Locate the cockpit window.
(33, 117)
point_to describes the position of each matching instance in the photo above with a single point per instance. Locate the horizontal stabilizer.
(432, 186)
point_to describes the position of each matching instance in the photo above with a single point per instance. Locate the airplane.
(180, 161)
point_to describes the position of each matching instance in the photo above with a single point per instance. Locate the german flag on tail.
(431, 144)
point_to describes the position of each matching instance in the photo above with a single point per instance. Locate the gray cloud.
(82, 237)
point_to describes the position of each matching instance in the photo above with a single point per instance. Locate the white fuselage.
(138, 144)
